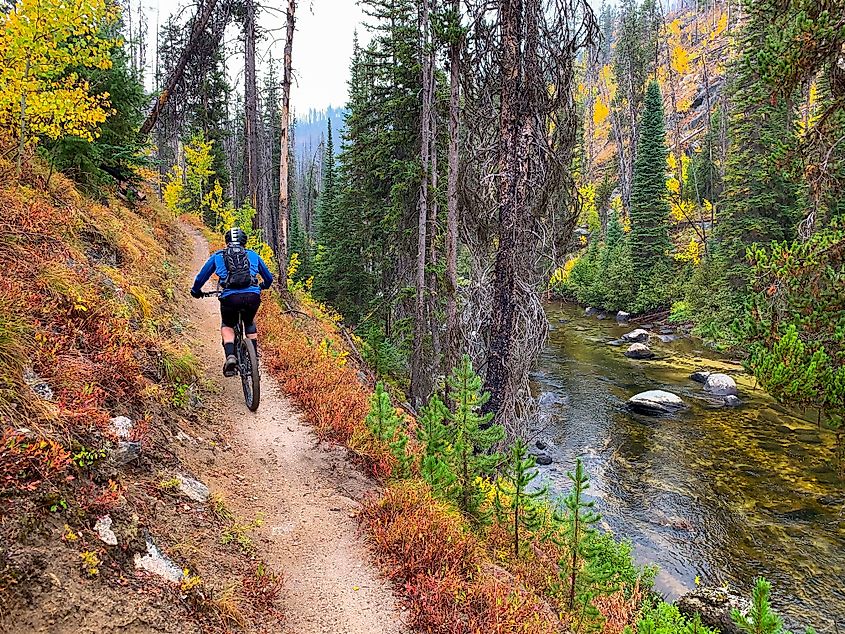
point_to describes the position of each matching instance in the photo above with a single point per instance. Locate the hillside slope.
(97, 389)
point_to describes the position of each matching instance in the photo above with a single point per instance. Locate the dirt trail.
(307, 493)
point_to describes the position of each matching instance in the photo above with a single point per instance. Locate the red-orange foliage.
(333, 399)
(428, 551)
(26, 461)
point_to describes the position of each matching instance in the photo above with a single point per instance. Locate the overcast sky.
(322, 46)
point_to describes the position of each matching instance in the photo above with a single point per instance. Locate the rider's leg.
(228, 336)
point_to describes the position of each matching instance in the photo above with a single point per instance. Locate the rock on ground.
(157, 563)
(121, 426)
(639, 351)
(656, 402)
(720, 384)
(715, 606)
(104, 531)
(732, 401)
(193, 489)
(622, 317)
(636, 336)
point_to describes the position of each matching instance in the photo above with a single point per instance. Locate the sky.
(322, 46)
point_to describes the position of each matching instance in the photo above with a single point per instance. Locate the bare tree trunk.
(420, 325)
(251, 116)
(452, 196)
(281, 237)
(199, 24)
(503, 309)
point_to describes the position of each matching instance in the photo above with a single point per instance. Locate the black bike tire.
(254, 378)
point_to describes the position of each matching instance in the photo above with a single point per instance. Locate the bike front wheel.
(250, 378)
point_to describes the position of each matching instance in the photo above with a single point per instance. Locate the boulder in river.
(714, 605)
(622, 317)
(589, 311)
(720, 384)
(732, 401)
(699, 376)
(636, 336)
(639, 351)
(656, 402)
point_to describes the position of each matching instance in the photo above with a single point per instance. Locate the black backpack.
(237, 266)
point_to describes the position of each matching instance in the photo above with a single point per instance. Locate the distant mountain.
(310, 131)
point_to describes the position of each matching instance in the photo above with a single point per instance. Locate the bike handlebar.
(211, 293)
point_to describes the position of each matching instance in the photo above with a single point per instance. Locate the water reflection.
(724, 494)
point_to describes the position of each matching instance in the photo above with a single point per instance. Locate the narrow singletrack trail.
(307, 493)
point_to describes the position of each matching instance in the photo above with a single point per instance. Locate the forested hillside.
(679, 166)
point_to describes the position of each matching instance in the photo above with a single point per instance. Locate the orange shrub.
(333, 399)
(429, 551)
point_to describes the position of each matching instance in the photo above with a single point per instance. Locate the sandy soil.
(307, 493)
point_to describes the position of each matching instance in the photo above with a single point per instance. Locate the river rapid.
(723, 495)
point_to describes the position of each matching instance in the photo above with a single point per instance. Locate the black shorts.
(244, 303)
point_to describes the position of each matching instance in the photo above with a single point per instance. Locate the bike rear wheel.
(250, 378)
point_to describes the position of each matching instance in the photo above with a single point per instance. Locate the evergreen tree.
(472, 437)
(761, 203)
(516, 504)
(434, 436)
(649, 237)
(385, 425)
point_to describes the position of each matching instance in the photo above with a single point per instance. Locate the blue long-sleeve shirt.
(216, 265)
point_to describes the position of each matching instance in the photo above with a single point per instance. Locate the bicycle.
(247, 362)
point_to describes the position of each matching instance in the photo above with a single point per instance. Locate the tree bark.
(251, 117)
(503, 309)
(420, 325)
(452, 196)
(199, 24)
(281, 237)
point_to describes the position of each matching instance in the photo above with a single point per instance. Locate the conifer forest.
(555, 341)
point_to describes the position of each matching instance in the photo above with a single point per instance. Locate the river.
(724, 495)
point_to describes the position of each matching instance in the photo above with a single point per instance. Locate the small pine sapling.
(472, 437)
(385, 425)
(433, 434)
(579, 519)
(761, 618)
(515, 503)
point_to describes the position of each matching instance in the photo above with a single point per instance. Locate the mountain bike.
(247, 362)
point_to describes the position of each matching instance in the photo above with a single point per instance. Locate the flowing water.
(724, 495)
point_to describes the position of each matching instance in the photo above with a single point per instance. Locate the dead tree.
(419, 374)
(455, 39)
(281, 237)
(520, 123)
(198, 25)
(251, 136)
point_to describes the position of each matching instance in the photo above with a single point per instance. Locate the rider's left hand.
(196, 294)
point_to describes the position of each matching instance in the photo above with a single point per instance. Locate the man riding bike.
(238, 269)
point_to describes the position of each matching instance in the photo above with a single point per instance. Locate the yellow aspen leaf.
(600, 112)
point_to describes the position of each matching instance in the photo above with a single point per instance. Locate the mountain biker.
(238, 269)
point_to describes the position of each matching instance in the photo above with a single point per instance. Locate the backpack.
(237, 265)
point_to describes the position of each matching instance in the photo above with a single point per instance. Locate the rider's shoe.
(230, 368)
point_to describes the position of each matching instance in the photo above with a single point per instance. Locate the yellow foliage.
(675, 27)
(690, 253)
(174, 189)
(41, 42)
(589, 210)
(600, 112)
(680, 59)
(721, 25)
(561, 274)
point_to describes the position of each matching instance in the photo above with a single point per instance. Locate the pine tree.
(649, 237)
(472, 438)
(386, 427)
(516, 504)
(579, 519)
(760, 204)
(434, 436)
